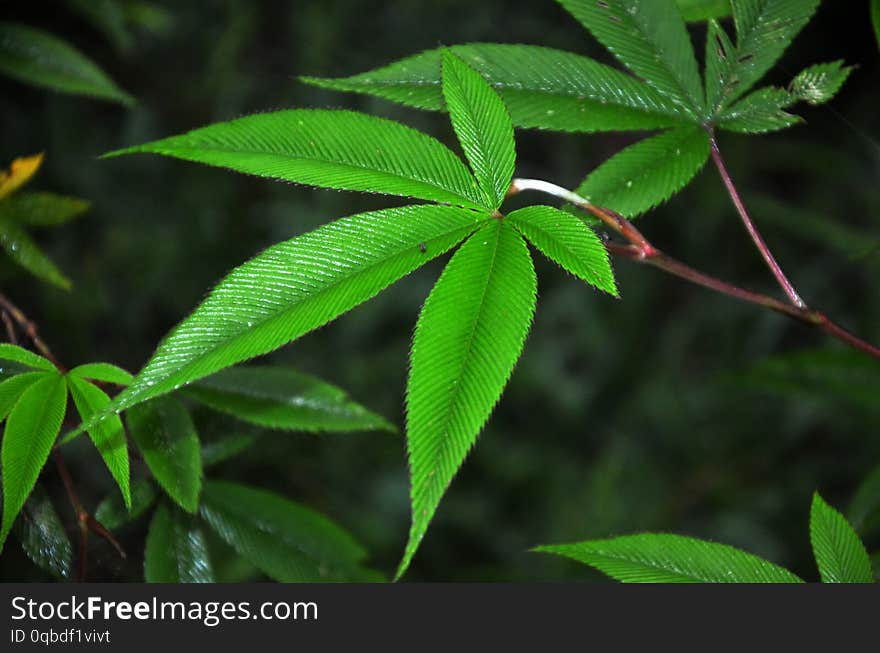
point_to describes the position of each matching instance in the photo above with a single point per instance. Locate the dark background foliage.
(643, 413)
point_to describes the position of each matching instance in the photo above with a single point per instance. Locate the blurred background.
(670, 409)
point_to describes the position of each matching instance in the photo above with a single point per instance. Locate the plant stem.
(767, 255)
(639, 249)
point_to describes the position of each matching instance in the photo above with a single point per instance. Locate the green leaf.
(865, 502)
(106, 372)
(42, 535)
(542, 87)
(875, 18)
(760, 112)
(113, 513)
(567, 241)
(286, 541)
(483, 127)
(764, 29)
(649, 172)
(720, 60)
(31, 429)
(282, 398)
(11, 389)
(108, 434)
(821, 82)
(166, 436)
(222, 449)
(839, 552)
(468, 338)
(330, 149)
(663, 558)
(176, 551)
(42, 209)
(651, 39)
(108, 17)
(698, 10)
(25, 252)
(297, 286)
(39, 58)
(21, 355)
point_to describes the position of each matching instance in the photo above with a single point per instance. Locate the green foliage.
(11, 389)
(718, 74)
(24, 251)
(36, 57)
(651, 39)
(483, 127)
(663, 558)
(865, 503)
(839, 553)
(330, 149)
(875, 18)
(31, 428)
(176, 551)
(106, 372)
(468, 338)
(113, 513)
(567, 241)
(818, 84)
(286, 541)
(697, 10)
(38, 209)
(222, 449)
(108, 434)
(542, 88)
(760, 112)
(42, 535)
(282, 398)
(26, 357)
(164, 433)
(643, 175)
(108, 17)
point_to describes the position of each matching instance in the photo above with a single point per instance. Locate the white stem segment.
(548, 188)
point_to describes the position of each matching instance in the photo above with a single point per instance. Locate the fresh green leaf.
(166, 436)
(108, 434)
(651, 39)
(282, 398)
(818, 84)
(329, 149)
(21, 355)
(875, 18)
(25, 252)
(108, 17)
(222, 449)
(31, 429)
(39, 58)
(720, 60)
(297, 286)
(483, 127)
(663, 558)
(106, 372)
(176, 551)
(839, 553)
(643, 175)
(42, 535)
(11, 389)
(41, 209)
(468, 338)
(764, 29)
(566, 240)
(113, 513)
(760, 112)
(698, 10)
(865, 502)
(286, 541)
(542, 87)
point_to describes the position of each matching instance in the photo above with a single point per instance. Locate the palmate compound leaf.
(840, 554)
(286, 541)
(665, 558)
(165, 434)
(764, 29)
(468, 338)
(567, 241)
(541, 87)
(483, 127)
(42, 536)
(649, 172)
(39, 58)
(330, 149)
(295, 287)
(176, 550)
(22, 249)
(108, 434)
(651, 39)
(31, 429)
(282, 398)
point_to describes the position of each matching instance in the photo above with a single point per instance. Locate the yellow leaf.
(21, 170)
